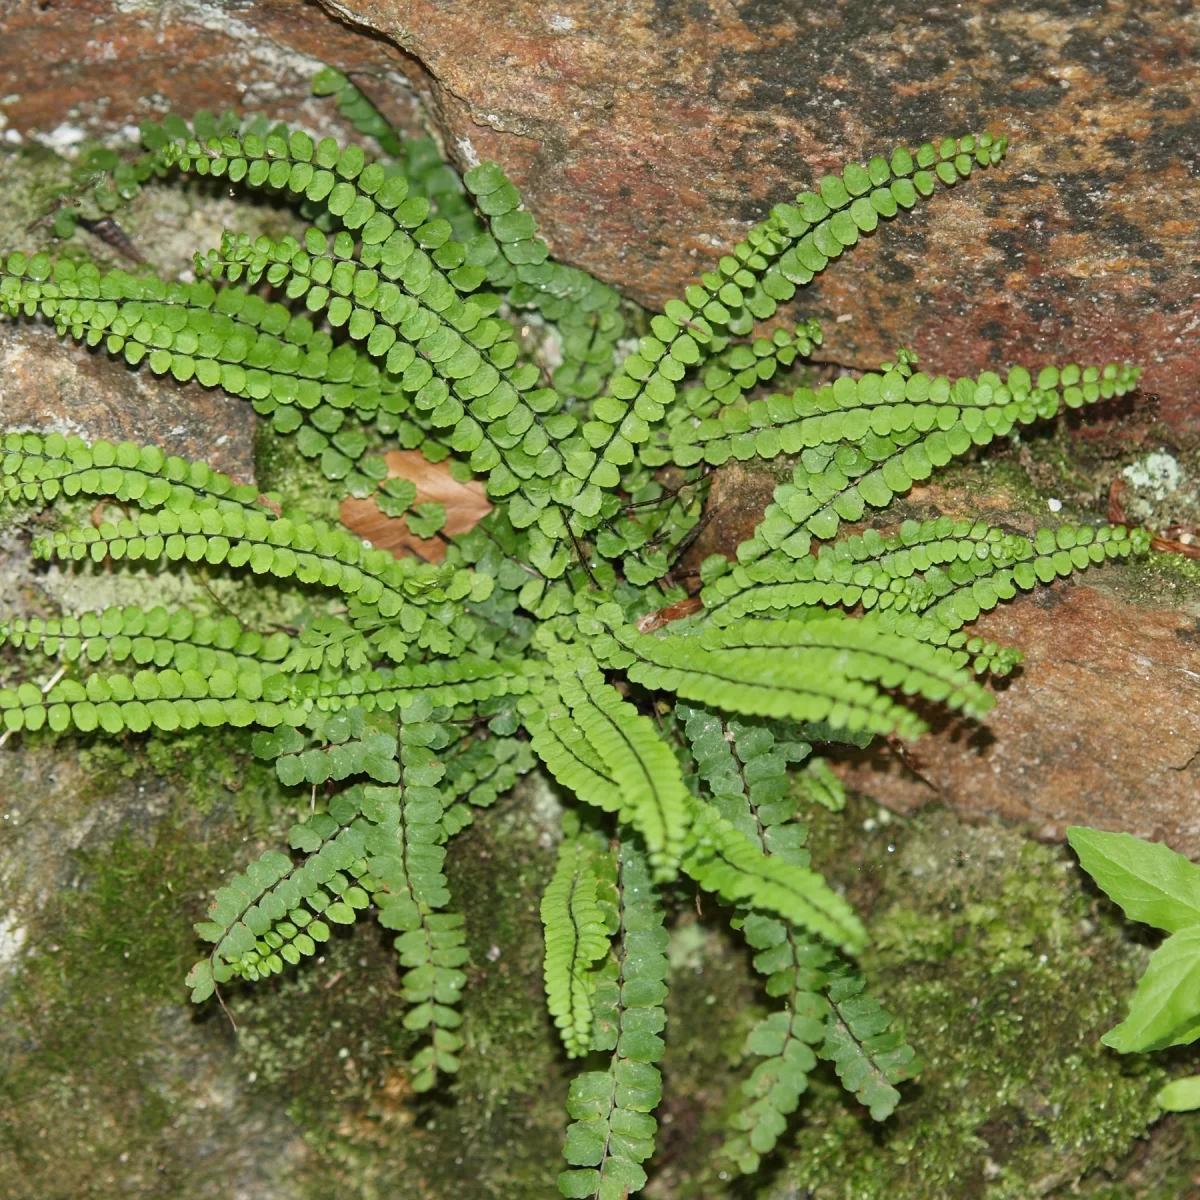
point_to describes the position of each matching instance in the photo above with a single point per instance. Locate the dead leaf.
(466, 505)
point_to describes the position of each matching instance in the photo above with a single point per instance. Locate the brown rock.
(48, 383)
(103, 63)
(647, 135)
(1100, 727)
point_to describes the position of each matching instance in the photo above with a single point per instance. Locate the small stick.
(62, 670)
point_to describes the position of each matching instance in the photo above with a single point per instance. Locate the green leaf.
(426, 518)
(1180, 1095)
(1148, 880)
(1166, 1007)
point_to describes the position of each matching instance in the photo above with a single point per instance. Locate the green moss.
(1004, 971)
(1164, 580)
(329, 1042)
(82, 1109)
(214, 766)
(284, 472)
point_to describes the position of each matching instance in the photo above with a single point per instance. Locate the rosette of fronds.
(414, 692)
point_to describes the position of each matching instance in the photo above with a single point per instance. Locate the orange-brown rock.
(103, 63)
(646, 135)
(1101, 726)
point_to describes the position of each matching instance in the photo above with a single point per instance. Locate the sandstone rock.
(1101, 726)
(47, 383)
(646, 136)
(93, 65)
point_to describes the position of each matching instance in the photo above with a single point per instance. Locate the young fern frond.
(576, 935)
(870, 1056)
(643, 769)
(155, 636)
(405, 694)
(742, 766)
(612, 1130)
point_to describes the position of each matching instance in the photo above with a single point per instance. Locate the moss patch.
(329, 1041)
(1004, 970)
(87, 1106)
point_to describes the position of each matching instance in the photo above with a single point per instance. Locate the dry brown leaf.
(466, 504)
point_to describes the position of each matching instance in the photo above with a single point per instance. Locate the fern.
(612, 1132)
(575, 938)
(406, 694)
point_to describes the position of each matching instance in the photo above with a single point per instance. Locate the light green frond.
(653, 797)
(612, 1130)
(156, 636)
(164, 699)
(870, 1056)
(862, 442)
(576, 937)
(277, 911)
(829, 669)
(567, 754)
(721, 859)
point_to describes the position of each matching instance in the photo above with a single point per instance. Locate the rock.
(646, 136)
(1101, 726)
(48, 383)
(95, 65)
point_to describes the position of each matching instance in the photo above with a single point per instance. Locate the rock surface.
(1100, 727)
(647, 135)
(48, 383)
(90, 65)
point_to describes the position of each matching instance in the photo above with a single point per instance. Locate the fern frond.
(743, 771)
(234, 340)
(276, 911)
(643, 769)
(722, 859)
(781, 252)
(35, 469)
(207, 518)
(743, 767)
(568, 755)
(156, 636)
(826, 668)
(729, 374)
(576, 936)
(612, 1130)
(584, 309)
(165, 699)
(869, 1055)
(785, 1041)
(405, 856)
(863, 442)
(926, 581)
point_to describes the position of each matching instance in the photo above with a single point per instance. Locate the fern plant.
(560, 629)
